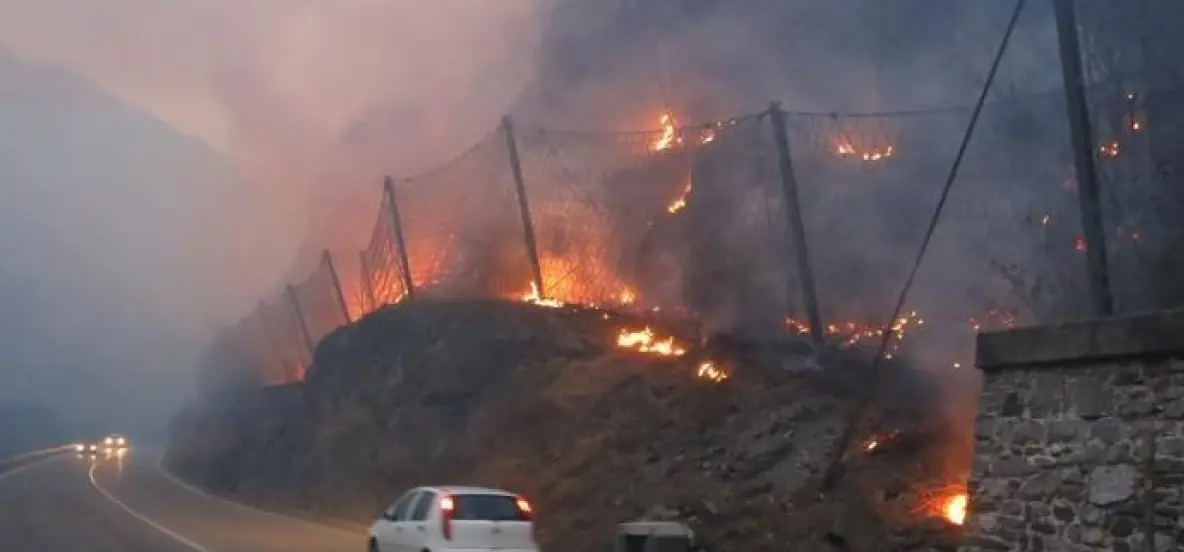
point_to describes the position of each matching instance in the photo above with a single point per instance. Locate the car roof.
(462, 490)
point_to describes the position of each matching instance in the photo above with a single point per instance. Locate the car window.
(404, 507)
(398, 510)
(487, 507)
(423, 506)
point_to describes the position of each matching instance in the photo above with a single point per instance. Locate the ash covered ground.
(546, 401)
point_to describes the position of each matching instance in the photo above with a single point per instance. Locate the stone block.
(1023, 432)
(1045, 396)
(1067, 431)
(1170, 447)
(1111, 485)
(1108, 431)
(1089, 398)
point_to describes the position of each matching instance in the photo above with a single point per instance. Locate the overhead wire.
(890, 330)
(949, 183)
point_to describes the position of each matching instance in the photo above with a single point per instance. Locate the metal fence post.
(327, 258)
(797, 227)
(367, 284)
(397, 234)
(532, 252)
(1085, 162)
(309, 345)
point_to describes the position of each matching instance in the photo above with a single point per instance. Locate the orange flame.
(845, 148)
(681, 201)
(954, 508)
(646, 341)
(669, 137)
(711, 372)
(533, 297)
(578, 279)
(859, 331)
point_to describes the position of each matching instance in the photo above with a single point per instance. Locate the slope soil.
(544, 402)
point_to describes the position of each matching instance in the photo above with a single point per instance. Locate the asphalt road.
(67, 503)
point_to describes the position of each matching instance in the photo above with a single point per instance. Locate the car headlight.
(94, 447)
(121, 441)
(108, 441)
(79, 448)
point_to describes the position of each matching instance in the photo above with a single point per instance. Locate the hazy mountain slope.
(99, 210)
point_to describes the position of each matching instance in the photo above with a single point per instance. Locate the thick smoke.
(276, 121)
(310, 102)
(615, 64)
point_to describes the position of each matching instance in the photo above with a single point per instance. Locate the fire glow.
(954, 509)
(712, 372)
(844, 148)
(646, 341)
(535, 298)
(681, 201)
(877, 441)
(854, 332)
(670, 136)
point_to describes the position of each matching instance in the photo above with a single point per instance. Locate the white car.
(448, 519)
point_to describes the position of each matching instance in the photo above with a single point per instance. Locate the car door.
(416, 529)
(388, 531)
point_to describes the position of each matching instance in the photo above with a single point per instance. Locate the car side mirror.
(388, 516)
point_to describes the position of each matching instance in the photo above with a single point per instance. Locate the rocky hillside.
(545, 402)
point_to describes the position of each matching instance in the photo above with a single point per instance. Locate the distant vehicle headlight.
(109, 441)
(121, 441)
(79, 448)
(94, 447)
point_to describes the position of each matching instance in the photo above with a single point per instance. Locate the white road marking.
(47, 450)
(25, 467)
(191, 488)
(169, 532)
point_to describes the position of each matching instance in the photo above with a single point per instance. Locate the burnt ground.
(541, 401)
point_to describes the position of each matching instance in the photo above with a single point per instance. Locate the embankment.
(542, 401)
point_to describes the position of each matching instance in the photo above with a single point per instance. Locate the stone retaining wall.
(1080, 441)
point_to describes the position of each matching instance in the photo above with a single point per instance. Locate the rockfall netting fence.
(774, 223)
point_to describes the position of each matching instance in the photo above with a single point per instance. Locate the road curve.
(67, 503)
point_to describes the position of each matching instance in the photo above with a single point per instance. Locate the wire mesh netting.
(1008, 246)
(696, 219)
(674, 218)
(1130, 56)
(289, 353)
(463, 234)
(320, 301)
(382, 269)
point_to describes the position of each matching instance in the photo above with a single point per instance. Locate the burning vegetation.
(605, 284)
